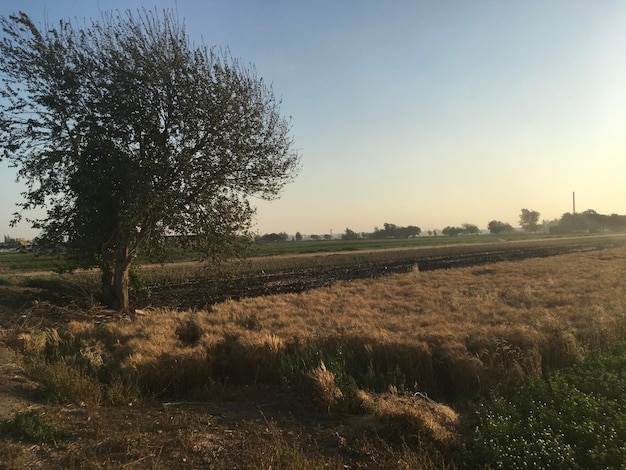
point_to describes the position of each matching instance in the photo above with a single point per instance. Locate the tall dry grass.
(448, 334)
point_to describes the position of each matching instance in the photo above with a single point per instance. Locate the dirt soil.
(201, 295)
(218, 433)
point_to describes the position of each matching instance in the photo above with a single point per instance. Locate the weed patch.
(33, 426)
(575, 419)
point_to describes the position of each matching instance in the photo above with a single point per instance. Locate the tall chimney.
(574, 203)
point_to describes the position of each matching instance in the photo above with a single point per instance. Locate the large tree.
(529, 219)
(495, 226)
(124, 131)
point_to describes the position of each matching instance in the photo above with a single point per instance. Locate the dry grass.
(324, 390)
(415, 414)
(452, 333)
(441, 335)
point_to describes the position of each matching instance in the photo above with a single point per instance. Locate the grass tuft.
(324, 392)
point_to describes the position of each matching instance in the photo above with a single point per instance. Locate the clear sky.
(428, 113)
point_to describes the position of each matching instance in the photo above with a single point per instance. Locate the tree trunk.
(121, 279)
(116, 278)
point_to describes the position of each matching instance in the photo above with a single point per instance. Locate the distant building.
(16, 243)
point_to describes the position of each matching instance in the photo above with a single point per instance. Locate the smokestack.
(574, 203)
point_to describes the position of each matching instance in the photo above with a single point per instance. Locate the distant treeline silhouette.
(589, 221)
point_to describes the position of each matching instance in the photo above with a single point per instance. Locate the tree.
(616, 222)
(495, 227)
(588, 221)
(298, 236)
(393, 231)
(274, 237)
(570, 223)
(452, 231)
(125, 133)
(470, 229)
(350, 235)
(528, 220)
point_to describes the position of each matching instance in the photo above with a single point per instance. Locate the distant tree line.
(394, 231)
(273, 237)
(589, 221)
(465, 229)
(389, 231)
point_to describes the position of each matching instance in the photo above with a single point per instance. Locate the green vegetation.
(574, 419)
(529, 220)
(589, 221)
(28, 262)
(33, 426)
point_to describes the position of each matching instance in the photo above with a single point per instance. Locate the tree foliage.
(452, 231)
(495, 227)
(274, 237)
(470, 229)
(124, 133)
(350, 235)
(465, 229)
(394, 231)
(590, 221)
(529, 219)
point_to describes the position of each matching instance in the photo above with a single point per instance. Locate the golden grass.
(416, 414)
(451, 333)
(324, 391)
(439, 335)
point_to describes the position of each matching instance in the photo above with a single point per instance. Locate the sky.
(427, 113)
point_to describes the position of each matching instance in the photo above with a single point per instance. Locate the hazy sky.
(427, 113)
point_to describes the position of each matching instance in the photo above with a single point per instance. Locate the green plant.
(33, 426)
(7, 281)
(574, 419)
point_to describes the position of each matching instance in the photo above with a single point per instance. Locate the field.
(367, 368)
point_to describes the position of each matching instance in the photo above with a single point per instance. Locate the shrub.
(33, 426)
(189, 332)
(325, 392)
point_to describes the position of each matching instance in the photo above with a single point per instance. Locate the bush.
(574, 419)
(33, 426)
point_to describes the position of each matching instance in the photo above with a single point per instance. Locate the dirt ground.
(203, 295)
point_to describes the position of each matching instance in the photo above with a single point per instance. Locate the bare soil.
(201, 295)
